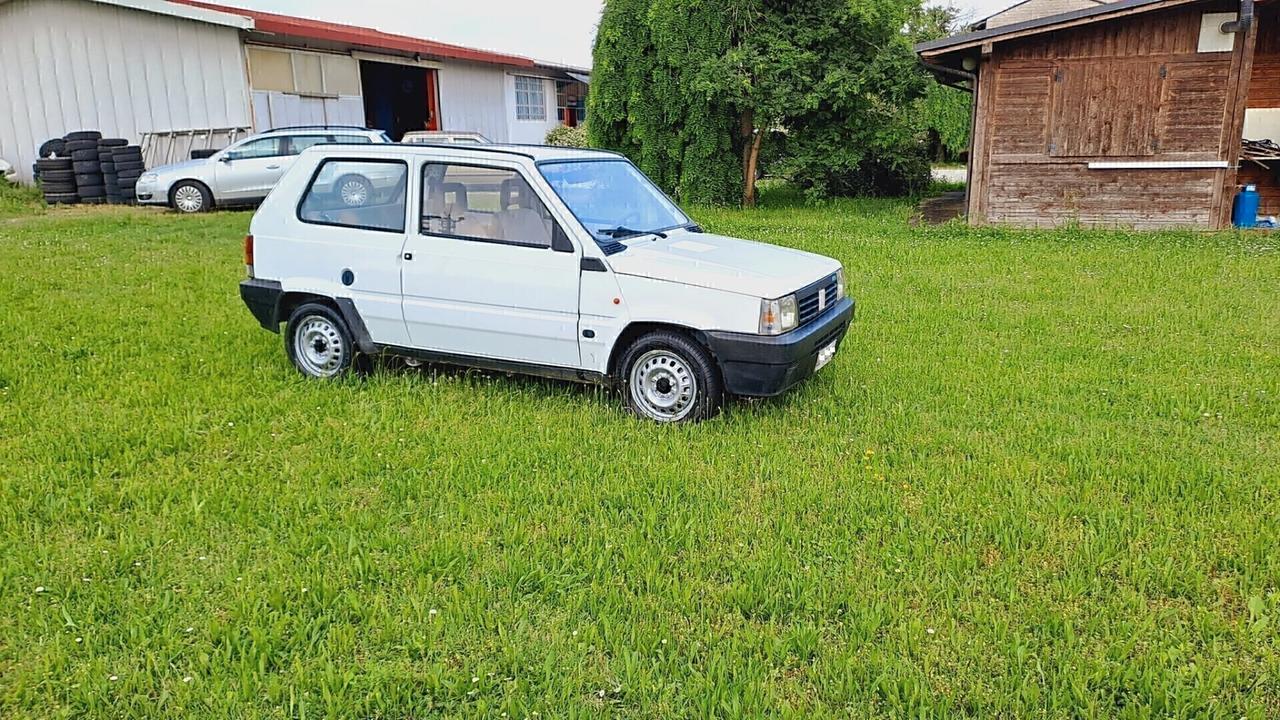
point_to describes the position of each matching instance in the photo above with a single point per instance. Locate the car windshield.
(612, 199)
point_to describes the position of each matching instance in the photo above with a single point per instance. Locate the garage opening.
(399, 98)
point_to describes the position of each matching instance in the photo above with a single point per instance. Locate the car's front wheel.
(190, 196)
(318, 342)
(670, 378)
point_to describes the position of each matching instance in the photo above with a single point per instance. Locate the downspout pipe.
(959, 74)
(1245, 23)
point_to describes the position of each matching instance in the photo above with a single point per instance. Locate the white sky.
(552, 30)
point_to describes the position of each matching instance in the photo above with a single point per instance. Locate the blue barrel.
(1245, 213)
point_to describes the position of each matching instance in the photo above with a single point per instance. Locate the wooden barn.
(1130, 113)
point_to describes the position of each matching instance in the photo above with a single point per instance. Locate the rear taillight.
(248, 254)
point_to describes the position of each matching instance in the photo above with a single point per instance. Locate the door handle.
(273, 167)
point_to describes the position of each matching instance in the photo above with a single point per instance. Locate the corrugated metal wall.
(71, 65)
(473, 98)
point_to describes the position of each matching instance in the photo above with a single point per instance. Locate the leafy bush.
(699, 93)
(568, 137)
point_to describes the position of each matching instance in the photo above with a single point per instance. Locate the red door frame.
(433, 101)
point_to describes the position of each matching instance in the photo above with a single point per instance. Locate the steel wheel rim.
(354, 193)
(663, 386)
(188, 199)
(318, 347)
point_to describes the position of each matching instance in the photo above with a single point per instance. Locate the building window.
(531, 98)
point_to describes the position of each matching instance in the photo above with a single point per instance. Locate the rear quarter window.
(357, 193)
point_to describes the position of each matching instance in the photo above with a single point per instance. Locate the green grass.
(1041, 479)
(19, 200)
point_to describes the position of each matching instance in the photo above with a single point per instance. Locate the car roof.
(537, 153)
(321, 128)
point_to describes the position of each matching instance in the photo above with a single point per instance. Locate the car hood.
(722, 263)
(181, 168)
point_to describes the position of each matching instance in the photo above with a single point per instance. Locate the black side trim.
(593, 265)
(262, 297)
(508, 366)
(359, 331)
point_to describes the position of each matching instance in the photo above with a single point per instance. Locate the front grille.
(814, 300)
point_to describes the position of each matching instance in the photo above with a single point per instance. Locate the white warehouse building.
(181, 75)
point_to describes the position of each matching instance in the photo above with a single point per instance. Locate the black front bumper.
(764, 366)
(262, 297)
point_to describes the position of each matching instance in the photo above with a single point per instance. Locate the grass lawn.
(1041, 479)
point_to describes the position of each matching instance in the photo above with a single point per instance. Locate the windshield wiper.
(626, 232)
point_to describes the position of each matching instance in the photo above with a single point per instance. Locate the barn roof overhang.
(273, 28)
(950, 52)
(186, 12)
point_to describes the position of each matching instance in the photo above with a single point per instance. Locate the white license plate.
(824, 356)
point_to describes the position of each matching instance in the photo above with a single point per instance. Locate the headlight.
(778, 316)
(841, 289)
(149, 178)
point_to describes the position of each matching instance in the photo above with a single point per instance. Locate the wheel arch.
(345, 307)
(639, 329)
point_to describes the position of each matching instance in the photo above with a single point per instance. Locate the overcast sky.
(553, 30)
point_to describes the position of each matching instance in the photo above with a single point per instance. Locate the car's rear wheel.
(355, 191)
(189, 196)
(318, 342)
(670, 378)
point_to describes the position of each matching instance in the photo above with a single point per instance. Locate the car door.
(249, 170)
(489, 272)
(354, 252)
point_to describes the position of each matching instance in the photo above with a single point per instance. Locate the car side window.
(260, 148)
(487, 204)
(355, 193)
(298, 143)
(354, 140)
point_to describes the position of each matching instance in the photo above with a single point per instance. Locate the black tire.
(127, 164)
(129, 176)
(85, 167)
(56, 188)
(84, 135)
(74, 146)
(61, 198)
(47, 164)
(128, 150)
(331, 353)
(49, 148)
(58, 175)
(680, 372)
(112, 142)
(83, 155)
(88, 191)
(86, 179)
(175, 199)
(95, 200)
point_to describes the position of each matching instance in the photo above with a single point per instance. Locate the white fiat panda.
(556, 262)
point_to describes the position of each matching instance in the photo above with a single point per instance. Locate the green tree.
(693, 90)
(944, 113)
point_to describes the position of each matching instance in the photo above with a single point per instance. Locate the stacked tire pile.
(86, 168)
(127, 164)
(56, 172)
(83, 148)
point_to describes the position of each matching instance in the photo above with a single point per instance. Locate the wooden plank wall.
(1131, 89)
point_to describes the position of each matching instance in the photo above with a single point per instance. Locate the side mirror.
(225, 159)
